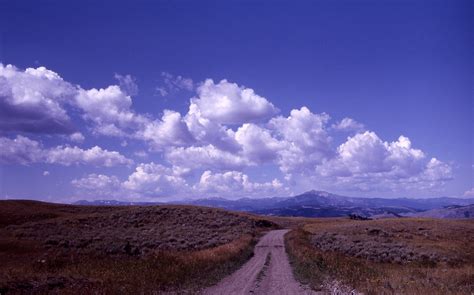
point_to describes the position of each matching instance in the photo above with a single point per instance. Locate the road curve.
(267, 272)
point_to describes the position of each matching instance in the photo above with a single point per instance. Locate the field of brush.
(49, 248)
(52, 248)
(401, 256)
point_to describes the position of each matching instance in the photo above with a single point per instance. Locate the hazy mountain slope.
(453, 212)
(313, 204)
(244, 204)
(115, 203)
(322, 198)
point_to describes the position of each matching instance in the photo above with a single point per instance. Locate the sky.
(168, 100)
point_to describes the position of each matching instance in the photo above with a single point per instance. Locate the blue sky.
(391, 68)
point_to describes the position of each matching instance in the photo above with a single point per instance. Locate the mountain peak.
(316, 192)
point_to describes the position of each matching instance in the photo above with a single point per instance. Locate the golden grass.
(315, 267)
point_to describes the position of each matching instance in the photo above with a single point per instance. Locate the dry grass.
(47, 248)
(447, 267)
(134, 231)
(166, 271)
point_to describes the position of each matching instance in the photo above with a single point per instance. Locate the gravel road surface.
(267, 272)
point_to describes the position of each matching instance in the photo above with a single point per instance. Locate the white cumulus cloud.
(236, 184)
(469, 193)
(206, 131)
(348, 124)
(305, 139)
(227, 129)
(258, 144)
(171, 130)
(22, 150)
(205, 157)
(110, 111)
(77, 137)
(67, 155)
(98, 185)
(230, 103)
(155, 180)
(366, 162)
(34, 100)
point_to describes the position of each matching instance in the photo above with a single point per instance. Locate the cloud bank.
(227, 130)
(24, 151)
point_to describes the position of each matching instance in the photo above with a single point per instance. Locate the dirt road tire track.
(267, 272)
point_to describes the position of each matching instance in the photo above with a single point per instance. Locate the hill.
(52, 248)
(47, 247)
(449, 212)
(388, 256)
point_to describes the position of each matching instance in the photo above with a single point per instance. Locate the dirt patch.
(268, 272)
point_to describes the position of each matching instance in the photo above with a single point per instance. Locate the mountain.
(450, 212)
(323, 204)
(322, 198)
(115, 203)
(244, 204)
(316, 198)
(312, 204)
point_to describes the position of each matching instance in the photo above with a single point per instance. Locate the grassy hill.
(48, 248)
(54, 248)
(390, 256)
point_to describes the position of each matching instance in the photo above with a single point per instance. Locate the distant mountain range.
(447, 212)
(115, 203)
(313, 204)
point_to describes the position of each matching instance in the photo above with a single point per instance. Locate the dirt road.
(267, 272)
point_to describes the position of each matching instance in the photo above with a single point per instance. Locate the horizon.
(155, 102)
(186, 201)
